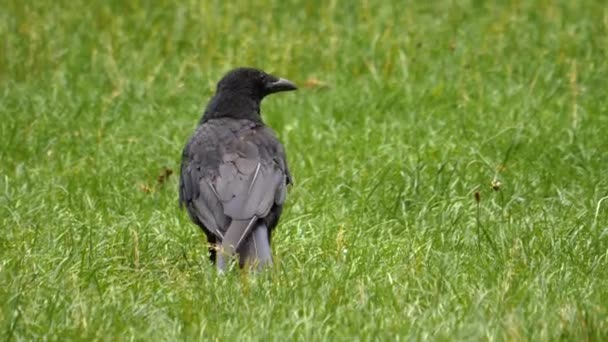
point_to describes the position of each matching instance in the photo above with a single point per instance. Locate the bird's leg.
(212, 248)
(222, 259)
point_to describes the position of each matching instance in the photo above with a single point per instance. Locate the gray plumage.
(234, 172)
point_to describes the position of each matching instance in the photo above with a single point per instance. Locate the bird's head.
(240, 92)
(253, 83)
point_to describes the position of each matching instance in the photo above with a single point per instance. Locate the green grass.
(425, 103)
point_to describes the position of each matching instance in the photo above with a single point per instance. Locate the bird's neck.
(234, 107)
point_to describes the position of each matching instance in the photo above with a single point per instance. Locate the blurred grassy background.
(406, 109)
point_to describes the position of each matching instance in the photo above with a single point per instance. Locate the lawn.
(449, 160)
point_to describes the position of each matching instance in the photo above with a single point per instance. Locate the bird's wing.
(197, 193)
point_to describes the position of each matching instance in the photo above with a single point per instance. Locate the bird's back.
(232, 169)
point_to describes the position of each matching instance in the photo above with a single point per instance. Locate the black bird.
(234, 172)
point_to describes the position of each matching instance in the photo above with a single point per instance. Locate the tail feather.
(256, 250)
(236, 234)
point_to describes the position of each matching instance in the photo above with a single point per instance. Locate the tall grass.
(405, 111)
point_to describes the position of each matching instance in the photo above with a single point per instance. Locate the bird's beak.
(280, 85)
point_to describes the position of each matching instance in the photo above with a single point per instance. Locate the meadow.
(447, 158)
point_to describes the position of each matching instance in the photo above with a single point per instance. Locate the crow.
(234, 174)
